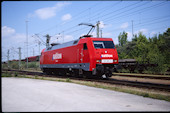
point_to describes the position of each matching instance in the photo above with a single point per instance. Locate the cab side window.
(85, 46)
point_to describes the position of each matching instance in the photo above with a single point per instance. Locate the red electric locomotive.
(85, 56)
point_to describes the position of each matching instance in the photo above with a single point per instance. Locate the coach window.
(85, 46)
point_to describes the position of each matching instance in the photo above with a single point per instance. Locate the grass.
(126, 89)
(136, 91)
(6, 74)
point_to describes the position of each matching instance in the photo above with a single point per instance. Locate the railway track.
(147, 85)
(143, 76)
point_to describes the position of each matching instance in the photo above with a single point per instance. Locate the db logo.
(57, 56)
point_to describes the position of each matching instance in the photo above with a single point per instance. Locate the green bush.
(14, 65)
(32, 65)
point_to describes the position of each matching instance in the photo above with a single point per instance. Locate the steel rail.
(144, 76)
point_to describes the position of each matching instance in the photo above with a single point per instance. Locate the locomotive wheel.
(46, 71)
(76, 74)
(59, 74)
(105, 76)
(87, 74)
(56, 73)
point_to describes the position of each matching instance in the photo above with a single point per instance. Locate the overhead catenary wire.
(152, 22)
(141, 24)
(113, 11)
(102, 10)
(136, 6)
(145, 8)
(75, 16)
(124, 12)
(72, 20)
(101, 15)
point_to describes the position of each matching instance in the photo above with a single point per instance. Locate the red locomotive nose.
(105, 52)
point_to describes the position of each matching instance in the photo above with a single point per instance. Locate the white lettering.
(106, 55)
(57, 56)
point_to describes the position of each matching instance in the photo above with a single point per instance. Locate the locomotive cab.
(105, 55)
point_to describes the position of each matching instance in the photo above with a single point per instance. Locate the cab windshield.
(103, 44)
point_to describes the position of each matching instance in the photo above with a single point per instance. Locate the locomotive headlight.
(114, 60)
(98, 61)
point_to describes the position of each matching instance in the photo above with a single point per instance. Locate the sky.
(32, 20)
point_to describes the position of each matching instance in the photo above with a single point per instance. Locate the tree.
(141, 48)
(122, 38)
(154, 50)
